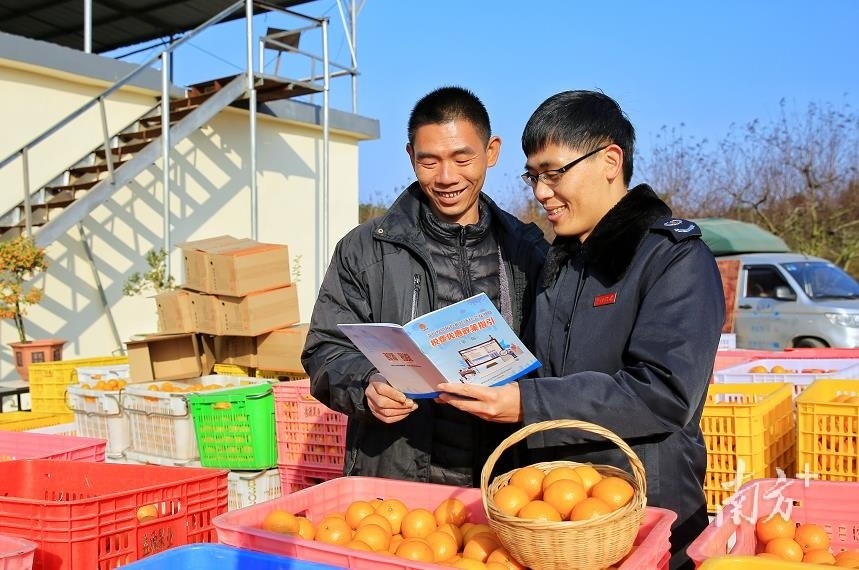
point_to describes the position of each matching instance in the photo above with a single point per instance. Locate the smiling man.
(628, 317)
(441, 241)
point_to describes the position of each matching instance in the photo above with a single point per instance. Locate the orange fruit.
(444, 546)
(356, 511)
(468, 564)
(149, 512)
(562, 472)
(615, 491)
(334, 530)
(416, 549)
(475, 529)
(847, 559)
(394, 510)
(539, 510)
(306, 529)
(589, 508)
(501, 556)
(418, 523)
(530, 480)
(373, 536)
(588, 475)
(563, 495)
(785, 548)
(358, 545)
(395, 543)
(510, 499)
(811, 536)
(774, 526)
(480, 546)
(378, 520)
(453, 531)
(758, 369)
(767, 555)
(818, 556)
(450, 511)
(493, 565)
(280, 521)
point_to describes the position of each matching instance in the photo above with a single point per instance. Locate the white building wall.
(209, 195)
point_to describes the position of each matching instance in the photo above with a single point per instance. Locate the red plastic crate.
(16, 553)
(241, 528)
(831, 504)
(85, 515)
(23, 445)
(309, 434)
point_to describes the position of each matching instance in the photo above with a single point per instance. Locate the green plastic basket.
(235, 429)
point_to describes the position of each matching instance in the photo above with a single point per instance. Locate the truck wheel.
(809, 342)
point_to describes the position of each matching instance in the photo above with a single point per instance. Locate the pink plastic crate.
(309, 435)
(294, 479)
(241, 528)
(25, 445)
(828, 503)
(16, 553)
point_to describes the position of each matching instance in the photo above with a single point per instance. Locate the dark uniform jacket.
(381, 272)
(627, 332)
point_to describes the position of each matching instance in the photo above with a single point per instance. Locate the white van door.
(766, 315)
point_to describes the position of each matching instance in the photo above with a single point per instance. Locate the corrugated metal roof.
(115, 23)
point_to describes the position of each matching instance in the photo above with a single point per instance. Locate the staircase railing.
(23, 152)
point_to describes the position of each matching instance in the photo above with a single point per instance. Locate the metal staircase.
(50, 211)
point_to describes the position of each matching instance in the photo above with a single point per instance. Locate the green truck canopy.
(727, 237)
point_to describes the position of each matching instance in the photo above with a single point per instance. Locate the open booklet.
(465, 342)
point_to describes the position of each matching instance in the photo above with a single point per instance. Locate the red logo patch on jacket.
(607, 299)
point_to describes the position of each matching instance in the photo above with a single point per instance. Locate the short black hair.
(447, 104)
(581, 120)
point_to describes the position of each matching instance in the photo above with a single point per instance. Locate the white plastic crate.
(93, 374)
(161, 422)
(138, 458)
(59, 429)
(248, 488)
(797, 371)
(728, 341)
(98, 414)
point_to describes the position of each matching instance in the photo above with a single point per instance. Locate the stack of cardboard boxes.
(237, 305)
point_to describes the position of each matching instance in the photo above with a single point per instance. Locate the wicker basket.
(590, 544)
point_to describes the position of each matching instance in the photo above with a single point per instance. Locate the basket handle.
(531, 429)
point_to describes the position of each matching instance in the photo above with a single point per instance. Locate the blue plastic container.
(221, 557)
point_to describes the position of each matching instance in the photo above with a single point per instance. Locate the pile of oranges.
(781, 538)
(563, 493)
(443, 535)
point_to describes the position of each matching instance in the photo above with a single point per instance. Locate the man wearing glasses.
(628, 318)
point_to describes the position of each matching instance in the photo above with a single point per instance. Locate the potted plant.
(20, 261)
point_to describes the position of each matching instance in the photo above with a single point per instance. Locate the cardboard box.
(207, 313)
(258, 313)
(238, 350)
(196, 260)
(169, 357)
(247, 266)
(280, 350)
(175, 313)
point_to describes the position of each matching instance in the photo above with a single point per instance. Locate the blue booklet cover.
(467, 342)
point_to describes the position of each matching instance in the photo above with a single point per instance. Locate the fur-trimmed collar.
(612, 245)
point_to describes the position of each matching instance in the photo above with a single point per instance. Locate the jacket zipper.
(463, 264)
(415, 294)
(583, 275)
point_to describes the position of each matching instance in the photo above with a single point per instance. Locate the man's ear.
(493, 150)
(613, 162)
(411, 152)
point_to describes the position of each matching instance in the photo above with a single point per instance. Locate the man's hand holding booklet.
(466, 342)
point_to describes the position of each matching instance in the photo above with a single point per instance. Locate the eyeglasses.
(552, 177)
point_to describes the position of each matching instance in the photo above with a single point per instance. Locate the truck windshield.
(823, 280)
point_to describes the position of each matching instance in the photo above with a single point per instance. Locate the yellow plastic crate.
(828, 430)
(22, 421)
(48, 381)
(749, 431)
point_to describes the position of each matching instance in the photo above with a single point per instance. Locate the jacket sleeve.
(338, 371)
(668, 360)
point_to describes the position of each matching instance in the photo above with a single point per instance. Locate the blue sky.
(695, 66)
